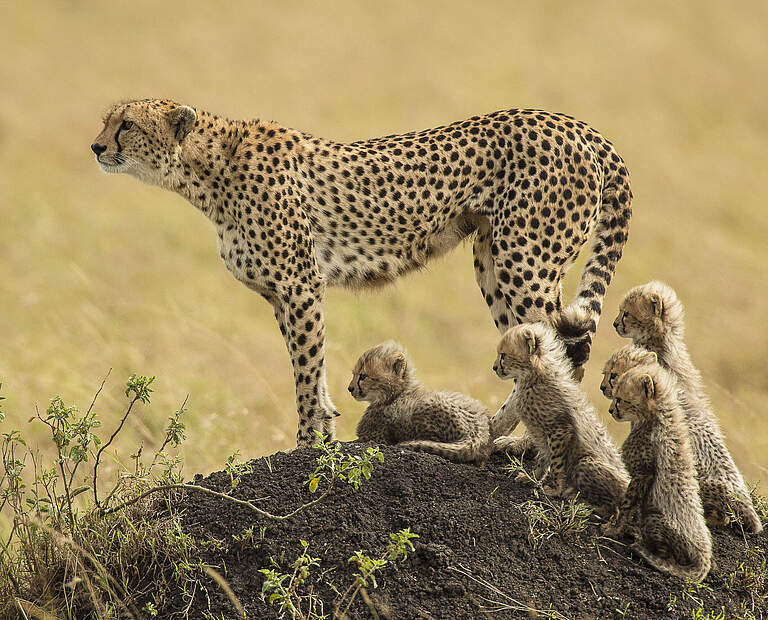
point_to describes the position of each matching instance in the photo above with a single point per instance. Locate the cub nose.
(495, 368)
(351, 389)
(616, 324)
(98, 148)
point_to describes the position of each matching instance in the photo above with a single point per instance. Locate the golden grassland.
(101, 272)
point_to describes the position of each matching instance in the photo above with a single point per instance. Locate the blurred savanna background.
(100, 272)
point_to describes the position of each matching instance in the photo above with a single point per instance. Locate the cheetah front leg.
(299, 312)
(559, 443)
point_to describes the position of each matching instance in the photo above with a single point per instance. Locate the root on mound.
(486, 545)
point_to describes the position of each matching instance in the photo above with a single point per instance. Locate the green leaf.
(313, 482)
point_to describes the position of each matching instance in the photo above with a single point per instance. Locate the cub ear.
(652, 357)
(399, 364)
(182, 118)
(530, 341)
(650, 389)
(657, 305)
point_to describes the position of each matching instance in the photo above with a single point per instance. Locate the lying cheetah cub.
(562, 424)
(652, 316)
(661, 508)
(403, 412)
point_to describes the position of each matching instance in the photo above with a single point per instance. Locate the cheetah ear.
(650, 389)
(399, 364)
(657, 305)
(530, 340)
(182, 119)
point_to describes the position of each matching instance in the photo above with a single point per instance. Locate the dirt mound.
(482, 549)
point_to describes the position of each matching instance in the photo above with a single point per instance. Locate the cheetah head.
(143, 138)
(628, 356)
(529, 347)
(381, 374)
(641, 393)
(648, 313)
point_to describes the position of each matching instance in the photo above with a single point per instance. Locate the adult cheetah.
(295, 213)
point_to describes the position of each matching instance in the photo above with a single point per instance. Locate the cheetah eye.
(612, 376)
(362, 376)
(126, 125)
(501, 358)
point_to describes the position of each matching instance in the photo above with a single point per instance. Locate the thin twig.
(98, 392)
(369, 603)
(240, 502)
(87, 413)
(104, 447)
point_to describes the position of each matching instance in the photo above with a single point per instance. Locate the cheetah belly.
(236, 253)
(377, 264)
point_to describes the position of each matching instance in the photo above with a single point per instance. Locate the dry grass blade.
(505, 602)
(227, 590)
(30, 610)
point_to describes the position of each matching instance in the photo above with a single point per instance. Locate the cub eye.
(362, 376)
(501, 358)
(126, 125)
(612, 376)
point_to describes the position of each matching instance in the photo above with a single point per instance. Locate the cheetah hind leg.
(721, 503)
(747, 516)
(598, 486)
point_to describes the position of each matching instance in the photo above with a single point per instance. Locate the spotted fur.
(628, 356)
(403, 412)
(662, 507)
(296, 213)
(653, 317)
(563, 426)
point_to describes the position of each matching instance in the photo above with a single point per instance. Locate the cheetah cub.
(628, 356)
(403, 412)
(661, 508)
(652, 316)
(560, 421)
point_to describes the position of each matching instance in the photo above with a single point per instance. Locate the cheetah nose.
(616, 324)
(98, 148)
(351, 389)
(495, 368)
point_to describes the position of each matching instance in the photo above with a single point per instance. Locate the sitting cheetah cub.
(403, 412)
(628, 356)
(652, 316)
(562, 424)
(661, 508)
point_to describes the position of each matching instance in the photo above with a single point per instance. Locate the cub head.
(648, 313)
(143, 138)
(641, 393)
(628, 356)
(529, 347)
(381, 374)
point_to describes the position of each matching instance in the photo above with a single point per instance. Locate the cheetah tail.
(697, 571)
(470, 450)
(578, 322)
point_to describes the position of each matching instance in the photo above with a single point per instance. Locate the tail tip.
(575, 326)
